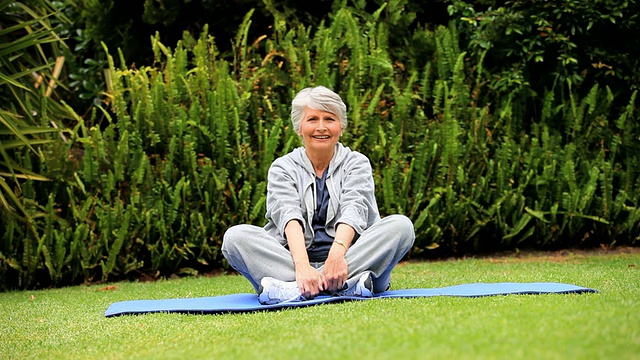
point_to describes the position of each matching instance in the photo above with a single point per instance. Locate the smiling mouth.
(321, 137)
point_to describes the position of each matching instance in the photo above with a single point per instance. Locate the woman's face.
(320, 130)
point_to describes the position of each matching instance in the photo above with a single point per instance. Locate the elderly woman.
(324, 232)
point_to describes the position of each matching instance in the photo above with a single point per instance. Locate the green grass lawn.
(69, 323)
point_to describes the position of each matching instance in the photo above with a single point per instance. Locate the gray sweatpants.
(255, 254)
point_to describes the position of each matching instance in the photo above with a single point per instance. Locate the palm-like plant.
(27, 79)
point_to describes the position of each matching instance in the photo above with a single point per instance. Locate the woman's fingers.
(336, 274)
(310, 286)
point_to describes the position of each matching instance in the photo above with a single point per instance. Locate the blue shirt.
(321, 244)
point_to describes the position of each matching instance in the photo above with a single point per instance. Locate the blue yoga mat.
(249, 302)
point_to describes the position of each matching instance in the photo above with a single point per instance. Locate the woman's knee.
(235, 235)
(402, 227)
(400, 224)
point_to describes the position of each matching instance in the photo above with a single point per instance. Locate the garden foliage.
(152, 178)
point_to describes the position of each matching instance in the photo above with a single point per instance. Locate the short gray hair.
(317, 98)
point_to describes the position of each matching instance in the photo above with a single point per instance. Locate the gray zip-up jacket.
(291, 193)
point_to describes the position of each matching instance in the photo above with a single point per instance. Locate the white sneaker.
(362, 288)
(274, 291)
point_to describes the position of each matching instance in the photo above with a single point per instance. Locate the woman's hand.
(310, 281)
(335, 271)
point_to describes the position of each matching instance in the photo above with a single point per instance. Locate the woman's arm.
(358, 207)
(310, 281)
(283, 195)
(335, 269)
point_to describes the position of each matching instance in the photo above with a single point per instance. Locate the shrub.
(181, 152)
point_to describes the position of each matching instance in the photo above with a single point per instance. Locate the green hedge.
(151, 179)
